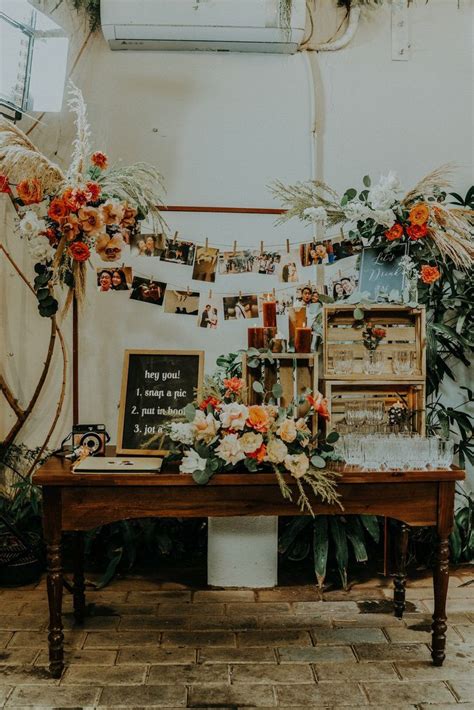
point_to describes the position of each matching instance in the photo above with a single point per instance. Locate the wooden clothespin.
(240, 294)
(261, 247)
(188, 291)
(206, 244)
(287, 246)
(210, 293)
(235, 246)
(273, 293)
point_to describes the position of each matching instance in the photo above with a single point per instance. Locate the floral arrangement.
(64, 217)
(385, 219)
(372, 336)
(223, 433)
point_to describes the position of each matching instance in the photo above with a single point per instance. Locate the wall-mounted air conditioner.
(189, 25)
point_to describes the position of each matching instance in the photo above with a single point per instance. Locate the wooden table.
(79, 502)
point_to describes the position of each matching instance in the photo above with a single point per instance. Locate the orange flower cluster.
(418, 218)
(319, 404)
(429, 274)
(30, 192)
(210, 402)
(99, 159)
(258, 418)
(234, 385)
(395, 232)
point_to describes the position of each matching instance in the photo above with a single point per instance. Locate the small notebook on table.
(118, 464)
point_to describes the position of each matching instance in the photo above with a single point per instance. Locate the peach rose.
(297, 464)
(205, 427)
(91, 220)
(258, 418)
(112, 212)
(287, 430)
(129, 216)
(70, 226)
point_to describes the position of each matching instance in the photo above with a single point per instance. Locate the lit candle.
(303, 338)
(256, 337)
(269, 310)
(297, 319)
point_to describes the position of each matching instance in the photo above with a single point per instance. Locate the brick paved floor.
(147, 644)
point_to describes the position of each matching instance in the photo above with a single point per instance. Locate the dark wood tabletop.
(78, 502)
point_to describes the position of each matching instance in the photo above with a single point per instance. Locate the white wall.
(226, 125)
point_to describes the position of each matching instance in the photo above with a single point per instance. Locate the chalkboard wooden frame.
(123, 395)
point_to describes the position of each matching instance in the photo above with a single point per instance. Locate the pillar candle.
(268, 336)
(269, 311)
(297, 319)
(303, 337)
(255, 337)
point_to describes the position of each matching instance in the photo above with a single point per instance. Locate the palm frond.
(140, 184)
(20, 159)
(314, 193)
(81, 144)
(438, 178)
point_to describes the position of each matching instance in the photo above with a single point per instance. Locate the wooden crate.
(339, 392)
(295, 372)
(406, 330)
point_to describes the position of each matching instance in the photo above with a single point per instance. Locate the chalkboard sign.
(381, 276)
(156, 387)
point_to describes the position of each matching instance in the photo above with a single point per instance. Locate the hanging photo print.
(185, 303)
(148, 291)
(179, 252)
(209, 315)
(284, 300)
(327, 251)
(308, 294)
(236, 307)
(119, 279)
(147, 244)
(287, 269)
(342, 278)
(205, 264)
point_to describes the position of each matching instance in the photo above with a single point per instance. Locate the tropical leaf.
(320, 548)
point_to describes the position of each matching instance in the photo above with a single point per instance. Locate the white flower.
(182, 432)
(31, 226)
(250, 442)
(391, 182)
(230, 450)
(192, 462)
(316, 214)
(205, 426)
(297, 464)
(381, 198)
(384, 217)
(41, 250)
(234, 415)
(276, 451)
(356, 211)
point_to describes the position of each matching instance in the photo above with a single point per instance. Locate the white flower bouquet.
(225, 434)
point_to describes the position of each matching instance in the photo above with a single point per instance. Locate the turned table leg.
(440, 585)
(400, 578)
(79, 597)
(54, 580)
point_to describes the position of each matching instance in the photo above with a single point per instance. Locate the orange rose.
(319, 404)
(258, 418)
(419, 214)
(233, 386)
(209, 402)
(91, 220)
(259, 454)
(70, 226)
(394, 232)
(95, 189)
(417, 231)
(4, 184)
(429, 274)
(99, 159)
(57, 209)
(29, 191)
(79, 251)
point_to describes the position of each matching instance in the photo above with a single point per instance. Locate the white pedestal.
(242, 552)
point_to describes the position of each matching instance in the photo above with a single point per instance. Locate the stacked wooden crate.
(296, 373)
(405, 331)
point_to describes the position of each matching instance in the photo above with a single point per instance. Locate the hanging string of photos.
(209, 262)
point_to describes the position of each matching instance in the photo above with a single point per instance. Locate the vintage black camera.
(93, 436)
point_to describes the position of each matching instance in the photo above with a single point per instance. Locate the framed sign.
(381, 275)
(156, 387)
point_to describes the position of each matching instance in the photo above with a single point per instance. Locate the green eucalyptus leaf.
(358, 314)
(257, 387)
(277, 390)
(318, 461)
(190, 412)
(201, 477)
(332, 437)
(366, 180)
